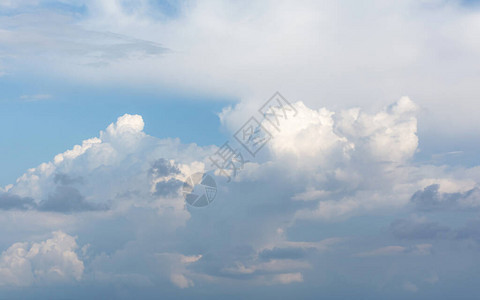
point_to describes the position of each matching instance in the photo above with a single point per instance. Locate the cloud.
(163, 167)
(181, 281)
(332, 153)
(50, 261)
(165, 188)
(64, 199)
(420, 249)
(36, 97)
(430, 199)
(134, 173)
(62, 40)
(325, 138)
(67, 199)
(65, 179)
(164, 171)
(469, 231)
(433, 279)
(389, 250)
(352, 161)
(418, 228)
(10, 201)
(256, 270)
(179, 269)
(329, 163)
(197, 50)
(122, 164)
(408, 286)
(287, 278)
(250, 234)
(282, 253)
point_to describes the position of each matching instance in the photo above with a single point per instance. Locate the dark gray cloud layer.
(65, 179)
(68, 199)
(421, 229)
(13, 202)
(167, 188)
(283, 253)
(65, 199)
(415, 229)
(430, 199)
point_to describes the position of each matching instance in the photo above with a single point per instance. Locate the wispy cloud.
(35, 97)
(420, 249)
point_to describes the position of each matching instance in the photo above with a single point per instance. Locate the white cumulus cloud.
(49, 261)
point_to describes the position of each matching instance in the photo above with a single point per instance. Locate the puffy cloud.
(321, 165)
(388, 136)
(50, 261)
(321, 137)
(348, 162)
(309, 137)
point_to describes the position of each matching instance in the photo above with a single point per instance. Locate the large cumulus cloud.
(346, 162)
(120, 193)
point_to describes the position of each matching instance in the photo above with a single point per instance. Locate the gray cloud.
(430, 199)
(66, 42)
(162, 167)
(418, 229)
(166, 188)
(471, 230)
(283, 253)
(421, 229)
(67, 199)
(65, 179)
(14, 202)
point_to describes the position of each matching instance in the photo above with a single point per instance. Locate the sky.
(353, 131)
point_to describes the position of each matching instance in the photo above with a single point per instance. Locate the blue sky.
(369, 186)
